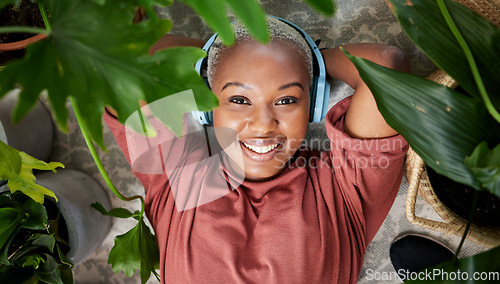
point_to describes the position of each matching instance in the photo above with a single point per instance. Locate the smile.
(259, 149)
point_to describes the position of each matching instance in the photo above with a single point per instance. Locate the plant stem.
(29, 30)
(44, 17)
(470, 59)
(97, 160)
(467, 227)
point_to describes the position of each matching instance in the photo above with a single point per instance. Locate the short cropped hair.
(278, 30)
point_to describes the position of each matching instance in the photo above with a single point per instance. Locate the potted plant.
(93, 54)
(48, 226)
(457, 134)
(31, 245)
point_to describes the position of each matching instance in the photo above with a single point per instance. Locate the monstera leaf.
(441, 46)
(94, 54)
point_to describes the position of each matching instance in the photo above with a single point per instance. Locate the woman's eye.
(239, 100)
(286, 101)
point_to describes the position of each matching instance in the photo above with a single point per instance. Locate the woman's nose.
(263, 121)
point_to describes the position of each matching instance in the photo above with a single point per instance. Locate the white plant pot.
(75, 191)
(33, 135)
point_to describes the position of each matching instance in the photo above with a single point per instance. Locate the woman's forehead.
(274, 62)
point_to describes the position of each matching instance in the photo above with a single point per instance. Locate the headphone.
(320, 88)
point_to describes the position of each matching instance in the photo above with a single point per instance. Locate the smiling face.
(263, 93)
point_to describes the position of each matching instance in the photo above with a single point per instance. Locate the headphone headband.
(320, 89)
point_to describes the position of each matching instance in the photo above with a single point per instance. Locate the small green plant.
(456, 134)
(31, 246)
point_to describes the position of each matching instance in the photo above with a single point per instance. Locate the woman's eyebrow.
(236, 84)
(291, 85)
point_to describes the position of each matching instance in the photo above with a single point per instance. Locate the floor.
(364, 21)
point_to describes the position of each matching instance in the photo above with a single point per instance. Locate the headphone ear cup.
(326, 99)
(320, 95)
(313, 96)
(204, 118)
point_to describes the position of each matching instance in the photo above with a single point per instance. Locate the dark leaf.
(442, 125)
(10, 219)
(37, 217)
(485, 167)
(49, 271)
(53, 229)
(326, 7)
(483, 265)
(63, 259)
(440, 45)
(45, 241)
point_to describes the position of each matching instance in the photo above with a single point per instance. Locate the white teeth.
(261, 150)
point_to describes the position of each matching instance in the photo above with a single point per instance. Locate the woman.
(292, 215)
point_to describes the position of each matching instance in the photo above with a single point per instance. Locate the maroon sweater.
(310, 224)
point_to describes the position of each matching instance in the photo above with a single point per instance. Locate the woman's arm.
(363, 119)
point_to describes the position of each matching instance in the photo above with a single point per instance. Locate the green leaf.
(442, 126)
(49, 271)
(66, 275)
(214, 14)
(10, 161)
(16, 167)
(10, 218)
(25, 180)
(21, 253)
(485, 167)
(64, 260)
(115, 212)
(483, 265)
(37, 217)
(251, 14)
(134, 250)
(148, 6)
(33, 260)
(426, 27)
(45, 241)
(326, 7)
(5, 258)
(53, 228)
(96, 55)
